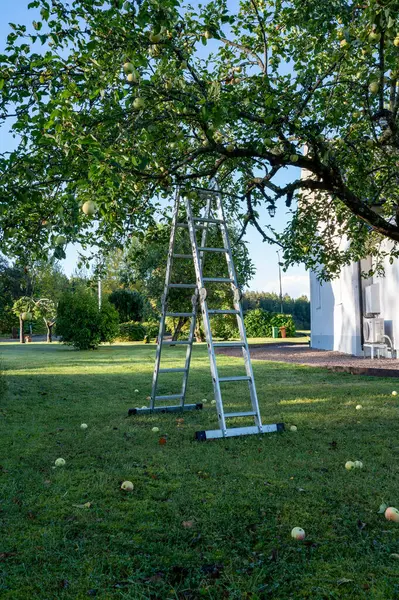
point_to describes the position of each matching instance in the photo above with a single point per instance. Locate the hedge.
(131, 332)
(259, 323)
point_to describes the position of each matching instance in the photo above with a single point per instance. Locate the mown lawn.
(239, 498)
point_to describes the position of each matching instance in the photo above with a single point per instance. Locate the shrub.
(284, 321)
(109, 322)
(81, 324)
(257, 323)
(224, 327)
(129, 304)
(131, 332)
(151, 328)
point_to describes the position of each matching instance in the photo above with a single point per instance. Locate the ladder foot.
(202, 436)
(164, 409)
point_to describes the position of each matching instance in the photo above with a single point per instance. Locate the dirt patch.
(301, 354)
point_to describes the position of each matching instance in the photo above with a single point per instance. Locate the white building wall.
(335, 312)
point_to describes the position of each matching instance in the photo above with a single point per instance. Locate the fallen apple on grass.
(392, 514)
(358, 464)
(155, 429)
(359, 407)
(293, 428)
(84, 426)
(127, 486)
(60, 462)
(349, 465)
(298, 533)
(394, 393)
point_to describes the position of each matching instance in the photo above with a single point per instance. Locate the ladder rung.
(178, 342)
(218, 279)
(182, 285)
(198, 227)
(182, 255)
(207, 220)
(252, 413)
(170, 314)
(228, 344)
(164, 409)
(177, 370)
(202, 249)
(224, 312)
(238, 378)
(168, 397)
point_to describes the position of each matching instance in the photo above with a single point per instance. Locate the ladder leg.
(164, 301)
(240, 316)
(205, 316)
(182, 395)
(194, 301)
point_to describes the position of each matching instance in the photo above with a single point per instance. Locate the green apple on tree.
(60, 240)
(154, 37)
(89, 208)
(128, 67)
(374, 87)
(139, 103)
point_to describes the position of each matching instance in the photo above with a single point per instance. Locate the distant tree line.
(299, 308)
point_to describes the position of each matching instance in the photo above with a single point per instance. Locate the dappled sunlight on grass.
(304, 401)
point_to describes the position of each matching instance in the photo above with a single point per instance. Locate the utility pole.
(99, 282)
(281, 289)
(99, 292)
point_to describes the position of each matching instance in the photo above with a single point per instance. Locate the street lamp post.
(99, 292)
(281, 289)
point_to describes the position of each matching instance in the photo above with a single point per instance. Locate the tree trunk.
(21, 331)
(181, 322)
(199, 334)
(49, 332)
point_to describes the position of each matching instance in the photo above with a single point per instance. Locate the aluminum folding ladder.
(213, 204)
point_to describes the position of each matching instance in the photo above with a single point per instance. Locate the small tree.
(128, 303)
(23, 308)
(81, 324)
(46, 310)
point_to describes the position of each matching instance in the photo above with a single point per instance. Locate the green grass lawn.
(241, 497)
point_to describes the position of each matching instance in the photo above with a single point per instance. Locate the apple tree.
(23, 308)
(113, 104)
(46, 309)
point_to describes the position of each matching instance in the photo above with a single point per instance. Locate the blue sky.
(295, 281)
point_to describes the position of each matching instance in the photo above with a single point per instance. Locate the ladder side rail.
(194, 301)
(204, 235)
(164, 300)
(189, 350)
(205, 316)
(238, 307)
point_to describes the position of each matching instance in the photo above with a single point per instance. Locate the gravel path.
(303, 355)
